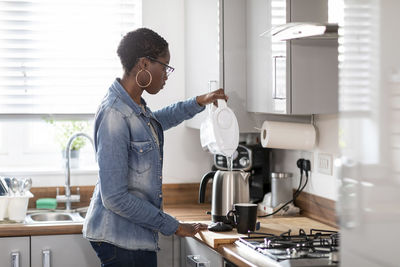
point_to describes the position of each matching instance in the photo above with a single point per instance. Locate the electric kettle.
(229, 187)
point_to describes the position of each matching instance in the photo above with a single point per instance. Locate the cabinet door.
(313, 63)
(190, 246)
(169, 254)
(267, 59)
(14, 249)
(64, 251)
(202, 50)
(165, 255)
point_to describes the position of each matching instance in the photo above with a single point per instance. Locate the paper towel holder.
(288, 135)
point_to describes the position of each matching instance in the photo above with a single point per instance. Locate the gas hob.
(317, 248)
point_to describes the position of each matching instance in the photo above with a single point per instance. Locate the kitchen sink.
(51, 216)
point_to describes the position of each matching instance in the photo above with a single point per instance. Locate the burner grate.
(316, 244)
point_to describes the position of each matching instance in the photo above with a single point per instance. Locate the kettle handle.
(203, 185)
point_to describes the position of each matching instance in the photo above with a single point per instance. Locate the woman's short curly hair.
(139, 43)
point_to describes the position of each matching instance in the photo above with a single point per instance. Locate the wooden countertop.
(181, 212)
(187, 213)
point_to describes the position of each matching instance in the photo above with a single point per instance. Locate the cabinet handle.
(274, 78)
(197, 260)
(15, 259)
(46, 258)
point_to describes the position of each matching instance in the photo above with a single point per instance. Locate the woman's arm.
(176, 113)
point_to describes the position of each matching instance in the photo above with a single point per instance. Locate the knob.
(244, 161)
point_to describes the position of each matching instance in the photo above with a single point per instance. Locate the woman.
(125, 213)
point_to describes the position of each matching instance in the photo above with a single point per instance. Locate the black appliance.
(254, 159)
(316, 248)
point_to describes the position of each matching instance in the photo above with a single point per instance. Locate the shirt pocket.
(140, 155)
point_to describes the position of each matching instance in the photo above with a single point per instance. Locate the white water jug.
(219, 133)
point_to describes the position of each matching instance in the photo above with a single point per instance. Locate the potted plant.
(63, 131)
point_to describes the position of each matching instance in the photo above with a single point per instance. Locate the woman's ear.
(143, 63)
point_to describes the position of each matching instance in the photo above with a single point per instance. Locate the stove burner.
(294, 253)
(318, 244)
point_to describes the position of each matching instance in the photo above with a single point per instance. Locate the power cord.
(305, 166)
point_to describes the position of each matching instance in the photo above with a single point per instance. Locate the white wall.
(327, 143)
(184, 159)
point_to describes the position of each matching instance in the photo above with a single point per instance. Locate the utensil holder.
(18, 206)
(3, 207)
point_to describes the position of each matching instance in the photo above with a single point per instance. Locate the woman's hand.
(190, 229)
(211, 97)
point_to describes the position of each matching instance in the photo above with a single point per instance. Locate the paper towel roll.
(288, 135)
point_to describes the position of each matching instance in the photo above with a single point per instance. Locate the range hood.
(303, 30)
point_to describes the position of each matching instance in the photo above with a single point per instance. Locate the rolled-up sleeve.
(174, 114)
(113, 154)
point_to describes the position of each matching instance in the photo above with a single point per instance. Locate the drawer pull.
(197, 260)
(46, 258)
(15, 259)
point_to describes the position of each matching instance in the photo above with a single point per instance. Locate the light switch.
(325, 163)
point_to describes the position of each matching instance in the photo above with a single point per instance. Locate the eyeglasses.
(168, 69)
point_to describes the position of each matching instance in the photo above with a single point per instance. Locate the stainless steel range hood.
(303, 30)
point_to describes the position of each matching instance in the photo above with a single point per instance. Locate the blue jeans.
(113, 256)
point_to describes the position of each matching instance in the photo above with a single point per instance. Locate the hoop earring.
(151, 78)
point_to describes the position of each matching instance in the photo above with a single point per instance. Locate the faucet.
(68, 198)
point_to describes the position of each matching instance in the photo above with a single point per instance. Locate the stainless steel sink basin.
(54, 217)
(45, 217)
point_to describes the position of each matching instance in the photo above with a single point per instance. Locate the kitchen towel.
(288, 135)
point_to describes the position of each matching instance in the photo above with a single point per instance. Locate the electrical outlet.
(325, 163)
(310, 156)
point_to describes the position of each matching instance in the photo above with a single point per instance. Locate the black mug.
(245, 217)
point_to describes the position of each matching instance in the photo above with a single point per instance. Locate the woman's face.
(158, 72)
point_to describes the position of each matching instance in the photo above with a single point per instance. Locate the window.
(58, 58)
(359, 70)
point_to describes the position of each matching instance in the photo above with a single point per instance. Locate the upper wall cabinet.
(215, 50)
(297, 76)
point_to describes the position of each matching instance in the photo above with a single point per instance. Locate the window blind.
(358, 58)
(59, 56)
(359, 81)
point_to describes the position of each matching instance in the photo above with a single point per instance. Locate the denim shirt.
(125, 209)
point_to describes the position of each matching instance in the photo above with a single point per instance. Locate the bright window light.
(59, 57)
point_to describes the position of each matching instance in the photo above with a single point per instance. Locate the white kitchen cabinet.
(169, 254)
(62, 251)
(215, 49)
(296, 77)
(70, 250)
(14, 251)
(165, 255)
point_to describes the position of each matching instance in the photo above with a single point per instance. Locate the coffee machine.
(254, 159)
